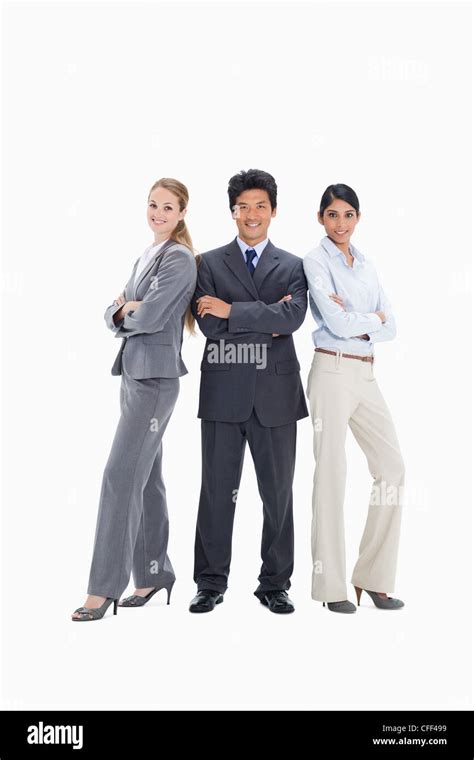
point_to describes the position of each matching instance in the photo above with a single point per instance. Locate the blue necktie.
(250, 254)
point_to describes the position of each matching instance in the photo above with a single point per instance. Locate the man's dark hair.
(253, 179)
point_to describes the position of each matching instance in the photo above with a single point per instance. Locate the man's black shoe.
(205, 600)
(277, 601)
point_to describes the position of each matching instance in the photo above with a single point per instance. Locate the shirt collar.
(333, 250)
(258, 248)
(156, 246)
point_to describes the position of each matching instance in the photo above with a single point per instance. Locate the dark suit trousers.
(273, 452)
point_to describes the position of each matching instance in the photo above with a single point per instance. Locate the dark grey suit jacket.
(153, 334)
(231, 390)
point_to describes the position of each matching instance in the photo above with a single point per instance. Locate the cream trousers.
(344, 392)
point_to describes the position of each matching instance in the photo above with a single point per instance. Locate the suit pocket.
(159, 338)
(213, 367)
(288, 367)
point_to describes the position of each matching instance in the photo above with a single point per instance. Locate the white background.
(102, 99)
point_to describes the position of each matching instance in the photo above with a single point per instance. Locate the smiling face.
(253, 214)
(163, 213)
(339, 220)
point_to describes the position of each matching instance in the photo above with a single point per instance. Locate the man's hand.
(382, 316)
(120, 300)
(285, 298)
(214, 306)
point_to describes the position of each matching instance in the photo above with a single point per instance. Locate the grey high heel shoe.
(344, 606)
(88, 613)
(138, 601)
(383, 604)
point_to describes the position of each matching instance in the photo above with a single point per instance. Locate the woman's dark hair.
(253, 179)
(339, 192)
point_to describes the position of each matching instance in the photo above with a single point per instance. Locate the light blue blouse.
(337, 328)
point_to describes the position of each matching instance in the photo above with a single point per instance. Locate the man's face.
(253, 213)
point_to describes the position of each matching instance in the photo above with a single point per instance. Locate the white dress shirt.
(146, 257)
(338, 328)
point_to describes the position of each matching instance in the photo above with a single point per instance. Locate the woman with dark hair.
(351, 313)
(149, 316)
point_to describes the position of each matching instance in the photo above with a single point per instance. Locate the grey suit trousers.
(132, 524)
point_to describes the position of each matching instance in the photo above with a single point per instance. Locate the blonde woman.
(149, 315)
(352, 313)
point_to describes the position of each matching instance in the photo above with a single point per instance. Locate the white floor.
(239, 657)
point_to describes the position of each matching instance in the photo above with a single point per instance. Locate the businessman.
(250, 298)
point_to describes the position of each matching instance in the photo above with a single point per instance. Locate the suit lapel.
(147, 269)
(268, 260)
(129, 286)
(235, 261)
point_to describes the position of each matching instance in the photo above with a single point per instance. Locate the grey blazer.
(153, 334)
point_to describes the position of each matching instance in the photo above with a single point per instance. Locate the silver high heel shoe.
(138, 601)
(383, 604)
(88, 613)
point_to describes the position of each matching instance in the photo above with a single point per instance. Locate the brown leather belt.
(347, 356)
